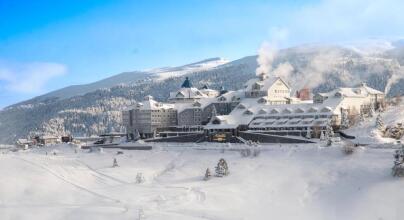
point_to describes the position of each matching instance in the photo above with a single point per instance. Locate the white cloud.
(333, 21)
(28, 77)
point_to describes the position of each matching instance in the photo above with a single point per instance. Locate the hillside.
(95, 108)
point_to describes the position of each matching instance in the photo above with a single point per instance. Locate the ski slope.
(285, 182)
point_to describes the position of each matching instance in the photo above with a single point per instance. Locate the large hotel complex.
(264, 106)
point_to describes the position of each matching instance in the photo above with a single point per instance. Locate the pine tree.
(398, 168)
(361, 117)
(344, 120)
(322, 136)
(371, 111)
(256, 150)
(137, 134)
(115, 164)
(329, 131)
(207, 175)
(214, 112)
(139, 178)
(308, 133)
(329, 134)
(222, 169)
(379, 123)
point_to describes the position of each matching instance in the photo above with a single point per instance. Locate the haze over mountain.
(96, 108)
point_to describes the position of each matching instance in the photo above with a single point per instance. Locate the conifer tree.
(214, 112)
(256, 150)
(207, 175)
(308, 133)
(139, 178)
(398, 168)
(361, 117)
(329, 131)
(322, 136)
(344, 120)
(379, 123)
(115, 163)
(371, 111)
(222, 169)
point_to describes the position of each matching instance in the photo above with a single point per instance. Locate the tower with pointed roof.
(187, 83)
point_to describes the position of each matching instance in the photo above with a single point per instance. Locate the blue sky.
(46, 45)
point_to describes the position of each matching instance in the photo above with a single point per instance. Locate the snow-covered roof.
(48, 137)
(210, 92)
(284, 122)
(233, 95)
(264, 84)
(281, 112)
(222, 122)
(371, 90)
(150, 104)
(262, 111)
(187, 93)
(359, 92)
(187, 105)
(24, 141)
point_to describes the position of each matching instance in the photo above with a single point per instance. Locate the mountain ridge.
(320, 68)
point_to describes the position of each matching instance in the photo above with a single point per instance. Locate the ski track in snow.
(281, 183)
(63, 178)
(102, 174)
(188, 195)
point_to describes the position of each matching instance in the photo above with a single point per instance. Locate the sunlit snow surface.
(285, 182)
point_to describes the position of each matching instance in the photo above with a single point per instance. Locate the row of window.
(321, 128)
(281, 91)
(163, 116)
(297, 116)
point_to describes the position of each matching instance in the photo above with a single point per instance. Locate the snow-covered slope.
(285, 182)
(136, 77)
(75, 90)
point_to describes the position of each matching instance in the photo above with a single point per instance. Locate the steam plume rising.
(266, 55)
(394, 79)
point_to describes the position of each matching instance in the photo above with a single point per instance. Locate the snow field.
(284, 182)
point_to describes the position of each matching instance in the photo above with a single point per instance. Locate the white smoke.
(284, 70)
(394, 79)
(266, 55)
(324, 62)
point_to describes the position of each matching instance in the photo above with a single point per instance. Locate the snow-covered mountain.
(136, 77)
(95, 108)
(168, 72)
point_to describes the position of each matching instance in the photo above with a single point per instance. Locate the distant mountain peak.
(206, 64)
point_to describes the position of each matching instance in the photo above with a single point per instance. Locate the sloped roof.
(371, 90)
(266, 83)
(188, 93)
(361, 91)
